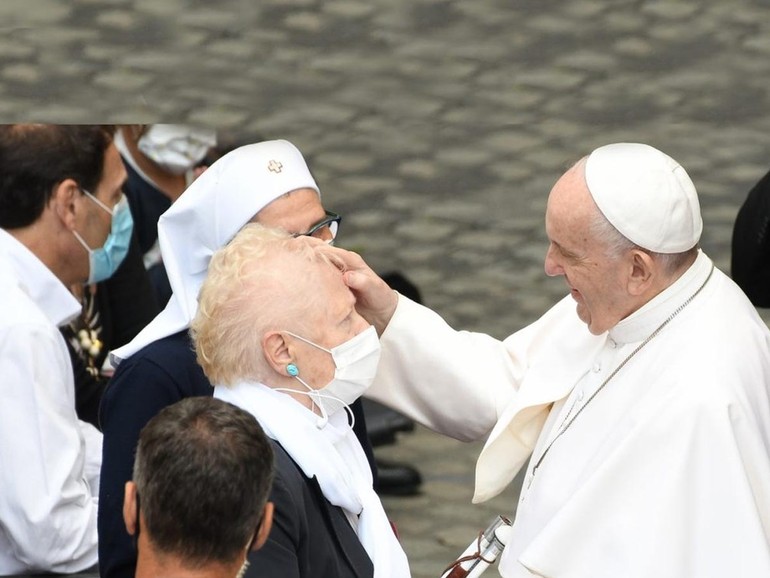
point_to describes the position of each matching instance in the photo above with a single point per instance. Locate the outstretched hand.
(375, 300)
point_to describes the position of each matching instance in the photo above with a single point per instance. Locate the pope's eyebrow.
(565, 252)
(558, 246)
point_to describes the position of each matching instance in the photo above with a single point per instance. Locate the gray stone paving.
(436, 127)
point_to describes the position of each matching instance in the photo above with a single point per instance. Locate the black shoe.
(382, 423)
(397, 479)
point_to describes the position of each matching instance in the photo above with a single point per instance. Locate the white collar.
(645, 320)
(38, 282)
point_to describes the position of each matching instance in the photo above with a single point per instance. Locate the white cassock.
(665, 473)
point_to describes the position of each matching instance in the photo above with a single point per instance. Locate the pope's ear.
(276, 351)
(643, 269)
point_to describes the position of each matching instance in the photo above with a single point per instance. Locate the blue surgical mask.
(104, 261)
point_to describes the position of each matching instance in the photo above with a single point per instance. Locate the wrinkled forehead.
(328, 271)
(301, 258)
(328, 277)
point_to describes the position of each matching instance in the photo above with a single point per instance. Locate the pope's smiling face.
(597, 282)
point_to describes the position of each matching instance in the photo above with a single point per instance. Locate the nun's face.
(295, 212)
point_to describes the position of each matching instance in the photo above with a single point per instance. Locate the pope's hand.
(375, 300)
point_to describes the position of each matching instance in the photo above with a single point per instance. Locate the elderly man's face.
(596, 283)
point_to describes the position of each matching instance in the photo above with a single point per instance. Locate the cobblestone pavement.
(437, 127)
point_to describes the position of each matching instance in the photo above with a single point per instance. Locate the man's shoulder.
(724, 330)
(290, 481)
(298, 496)
(20, 314)
(286, 469)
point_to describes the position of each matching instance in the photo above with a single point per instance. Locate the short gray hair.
(615, 244)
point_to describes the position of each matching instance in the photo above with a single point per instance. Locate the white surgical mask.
(176, 147)
(355, 362)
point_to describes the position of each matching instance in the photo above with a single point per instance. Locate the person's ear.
(64, 201)
(643, 269)
(263, 531)
(130, 508)
(277, 351)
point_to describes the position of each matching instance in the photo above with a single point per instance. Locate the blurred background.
(436, 127)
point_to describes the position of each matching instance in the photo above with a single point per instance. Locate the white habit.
(665, 474)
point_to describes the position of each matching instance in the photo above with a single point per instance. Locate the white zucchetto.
(207, 216)
(646, 195)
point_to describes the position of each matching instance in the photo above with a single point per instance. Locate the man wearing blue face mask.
(117, 303)
(105, 260)
(64, 222)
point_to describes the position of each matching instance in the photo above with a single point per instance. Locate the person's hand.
(375, 300)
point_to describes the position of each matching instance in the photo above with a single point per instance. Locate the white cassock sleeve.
(47, 509)
(454, 382)
(460, 383)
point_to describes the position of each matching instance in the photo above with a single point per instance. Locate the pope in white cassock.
(641, 398)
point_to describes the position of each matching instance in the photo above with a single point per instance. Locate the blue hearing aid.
(292, 370)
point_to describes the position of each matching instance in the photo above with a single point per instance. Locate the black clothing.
(750, 259)
(154, 377)
(310, 537)
(114, 314)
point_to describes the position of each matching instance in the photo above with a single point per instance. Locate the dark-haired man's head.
(198, 499)
(61, 196)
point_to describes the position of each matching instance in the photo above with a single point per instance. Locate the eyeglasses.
(330, 222)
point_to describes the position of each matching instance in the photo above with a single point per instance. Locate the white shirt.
(47, 504)
(666, 472)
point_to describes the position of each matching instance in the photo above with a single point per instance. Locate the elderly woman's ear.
(276, 351)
